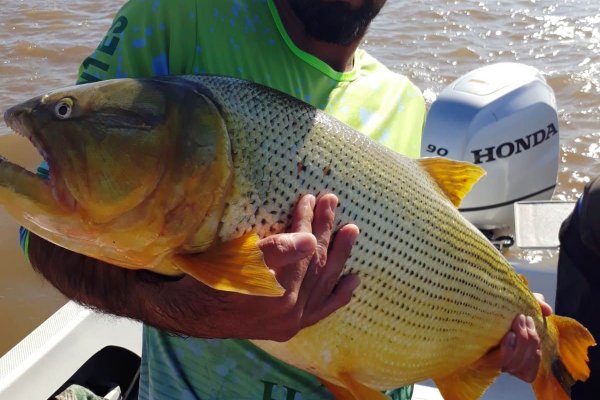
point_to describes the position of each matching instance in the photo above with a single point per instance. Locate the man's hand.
(306, 266)
(313, 285)
(520, 347)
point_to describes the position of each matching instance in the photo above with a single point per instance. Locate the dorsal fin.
(455, 178)
(524, 279)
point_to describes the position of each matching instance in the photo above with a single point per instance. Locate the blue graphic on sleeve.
(160, 65)
(139, 43)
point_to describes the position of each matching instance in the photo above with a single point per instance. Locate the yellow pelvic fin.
(234, 266)
(470, 382)
(357, 390)
(455, 178)
(561, 369)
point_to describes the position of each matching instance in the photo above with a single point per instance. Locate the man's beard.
(335, 21)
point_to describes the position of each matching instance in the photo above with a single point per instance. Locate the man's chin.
(336, 37)
(336, 22)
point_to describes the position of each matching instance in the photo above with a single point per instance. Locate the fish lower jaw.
(16, 168)
(11, 169)
(18, 179)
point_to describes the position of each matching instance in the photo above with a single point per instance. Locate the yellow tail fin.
(559, 370)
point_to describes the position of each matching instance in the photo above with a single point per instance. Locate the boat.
(484, 116)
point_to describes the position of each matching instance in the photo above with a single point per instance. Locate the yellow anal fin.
(455, 178)
(234, 266)
(560, 370)
(358, 391)
(338, 392)
(469, 383)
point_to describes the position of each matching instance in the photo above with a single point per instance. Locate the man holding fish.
(308, 49)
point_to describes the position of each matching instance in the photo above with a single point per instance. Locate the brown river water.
(42, 43)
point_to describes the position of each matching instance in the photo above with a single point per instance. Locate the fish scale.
(222, 163)
(403, 261)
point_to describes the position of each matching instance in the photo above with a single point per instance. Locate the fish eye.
(63, 108)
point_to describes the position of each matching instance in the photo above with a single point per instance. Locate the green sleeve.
(145, 39)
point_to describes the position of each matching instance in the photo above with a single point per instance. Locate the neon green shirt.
(246, 39)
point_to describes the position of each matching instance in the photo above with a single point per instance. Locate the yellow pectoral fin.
(455, 178)
(470, 382)
(358, 390)
(234, 266)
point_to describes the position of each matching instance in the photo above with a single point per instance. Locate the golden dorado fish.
(184, 175)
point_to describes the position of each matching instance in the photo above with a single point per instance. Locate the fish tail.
(565, 363)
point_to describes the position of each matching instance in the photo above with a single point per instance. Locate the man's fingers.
(507, 346)
(525, 367)
(285, 253)
(287, 248)
(338, 255)
(546, 309)
(513, 347)
(307, 267)
(520, 349)
(336, 260)
(532, 354)
(322, 226)
(341, 296)
(302, 217)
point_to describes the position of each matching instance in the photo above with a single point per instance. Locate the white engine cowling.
(503, 118)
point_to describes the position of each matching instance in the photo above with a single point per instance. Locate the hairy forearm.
(186, 306)
(156, 300)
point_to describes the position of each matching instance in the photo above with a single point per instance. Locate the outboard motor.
(503, 118)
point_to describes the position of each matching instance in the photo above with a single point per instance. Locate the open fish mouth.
(14, 118)
(17, 119)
